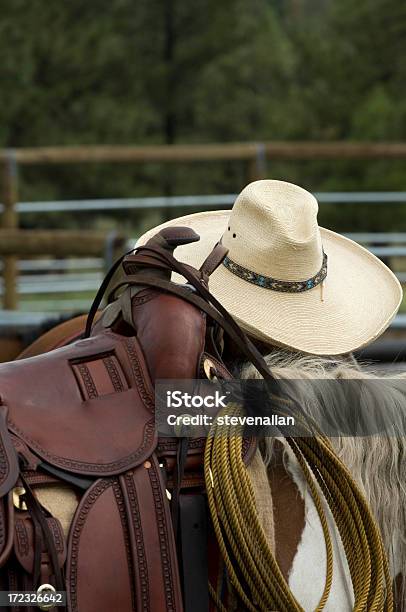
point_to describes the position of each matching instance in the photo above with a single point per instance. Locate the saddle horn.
(133, 262)
(168, 239)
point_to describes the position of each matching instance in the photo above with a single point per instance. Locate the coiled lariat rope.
(252, 569)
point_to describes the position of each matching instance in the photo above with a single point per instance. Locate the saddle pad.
(86, 408)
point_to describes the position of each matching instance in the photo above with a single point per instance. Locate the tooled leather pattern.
(139, 375)
(4, 464)
(22, 541)
(57, 534)
(2, 525)
(142, 567)
(149, 432)
(164, 538)
(31, 461)
(114, 375)
(88, 381)
(123, 517)
(91, 499)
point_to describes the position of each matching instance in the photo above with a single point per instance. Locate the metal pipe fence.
(197, 201)
(81, 276)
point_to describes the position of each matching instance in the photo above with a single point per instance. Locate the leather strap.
(73, 479)
(39, 518)
(7, 527)
(100, 293)
(212, 261)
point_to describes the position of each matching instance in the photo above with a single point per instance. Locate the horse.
(285, 507)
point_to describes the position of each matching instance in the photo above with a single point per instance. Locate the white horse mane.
(378, 463)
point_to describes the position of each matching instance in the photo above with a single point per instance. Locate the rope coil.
(251, 565)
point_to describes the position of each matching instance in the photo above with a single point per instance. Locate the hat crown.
(273, 231)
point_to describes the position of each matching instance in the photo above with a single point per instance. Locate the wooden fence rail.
(58, 243)
(205, 152)
(255, 154)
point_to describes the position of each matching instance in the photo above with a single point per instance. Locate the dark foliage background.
(176, 71)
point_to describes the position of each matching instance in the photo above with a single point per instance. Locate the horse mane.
(377, 462)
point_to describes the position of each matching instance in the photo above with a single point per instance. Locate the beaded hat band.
(267, 282)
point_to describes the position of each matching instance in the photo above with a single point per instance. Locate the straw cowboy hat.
(288, 281)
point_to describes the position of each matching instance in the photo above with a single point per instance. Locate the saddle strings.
(242, 542)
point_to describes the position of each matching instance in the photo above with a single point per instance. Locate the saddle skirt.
(96, 417)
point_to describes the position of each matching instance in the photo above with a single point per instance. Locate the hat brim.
(355, 304)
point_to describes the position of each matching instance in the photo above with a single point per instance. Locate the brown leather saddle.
(84, 415)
